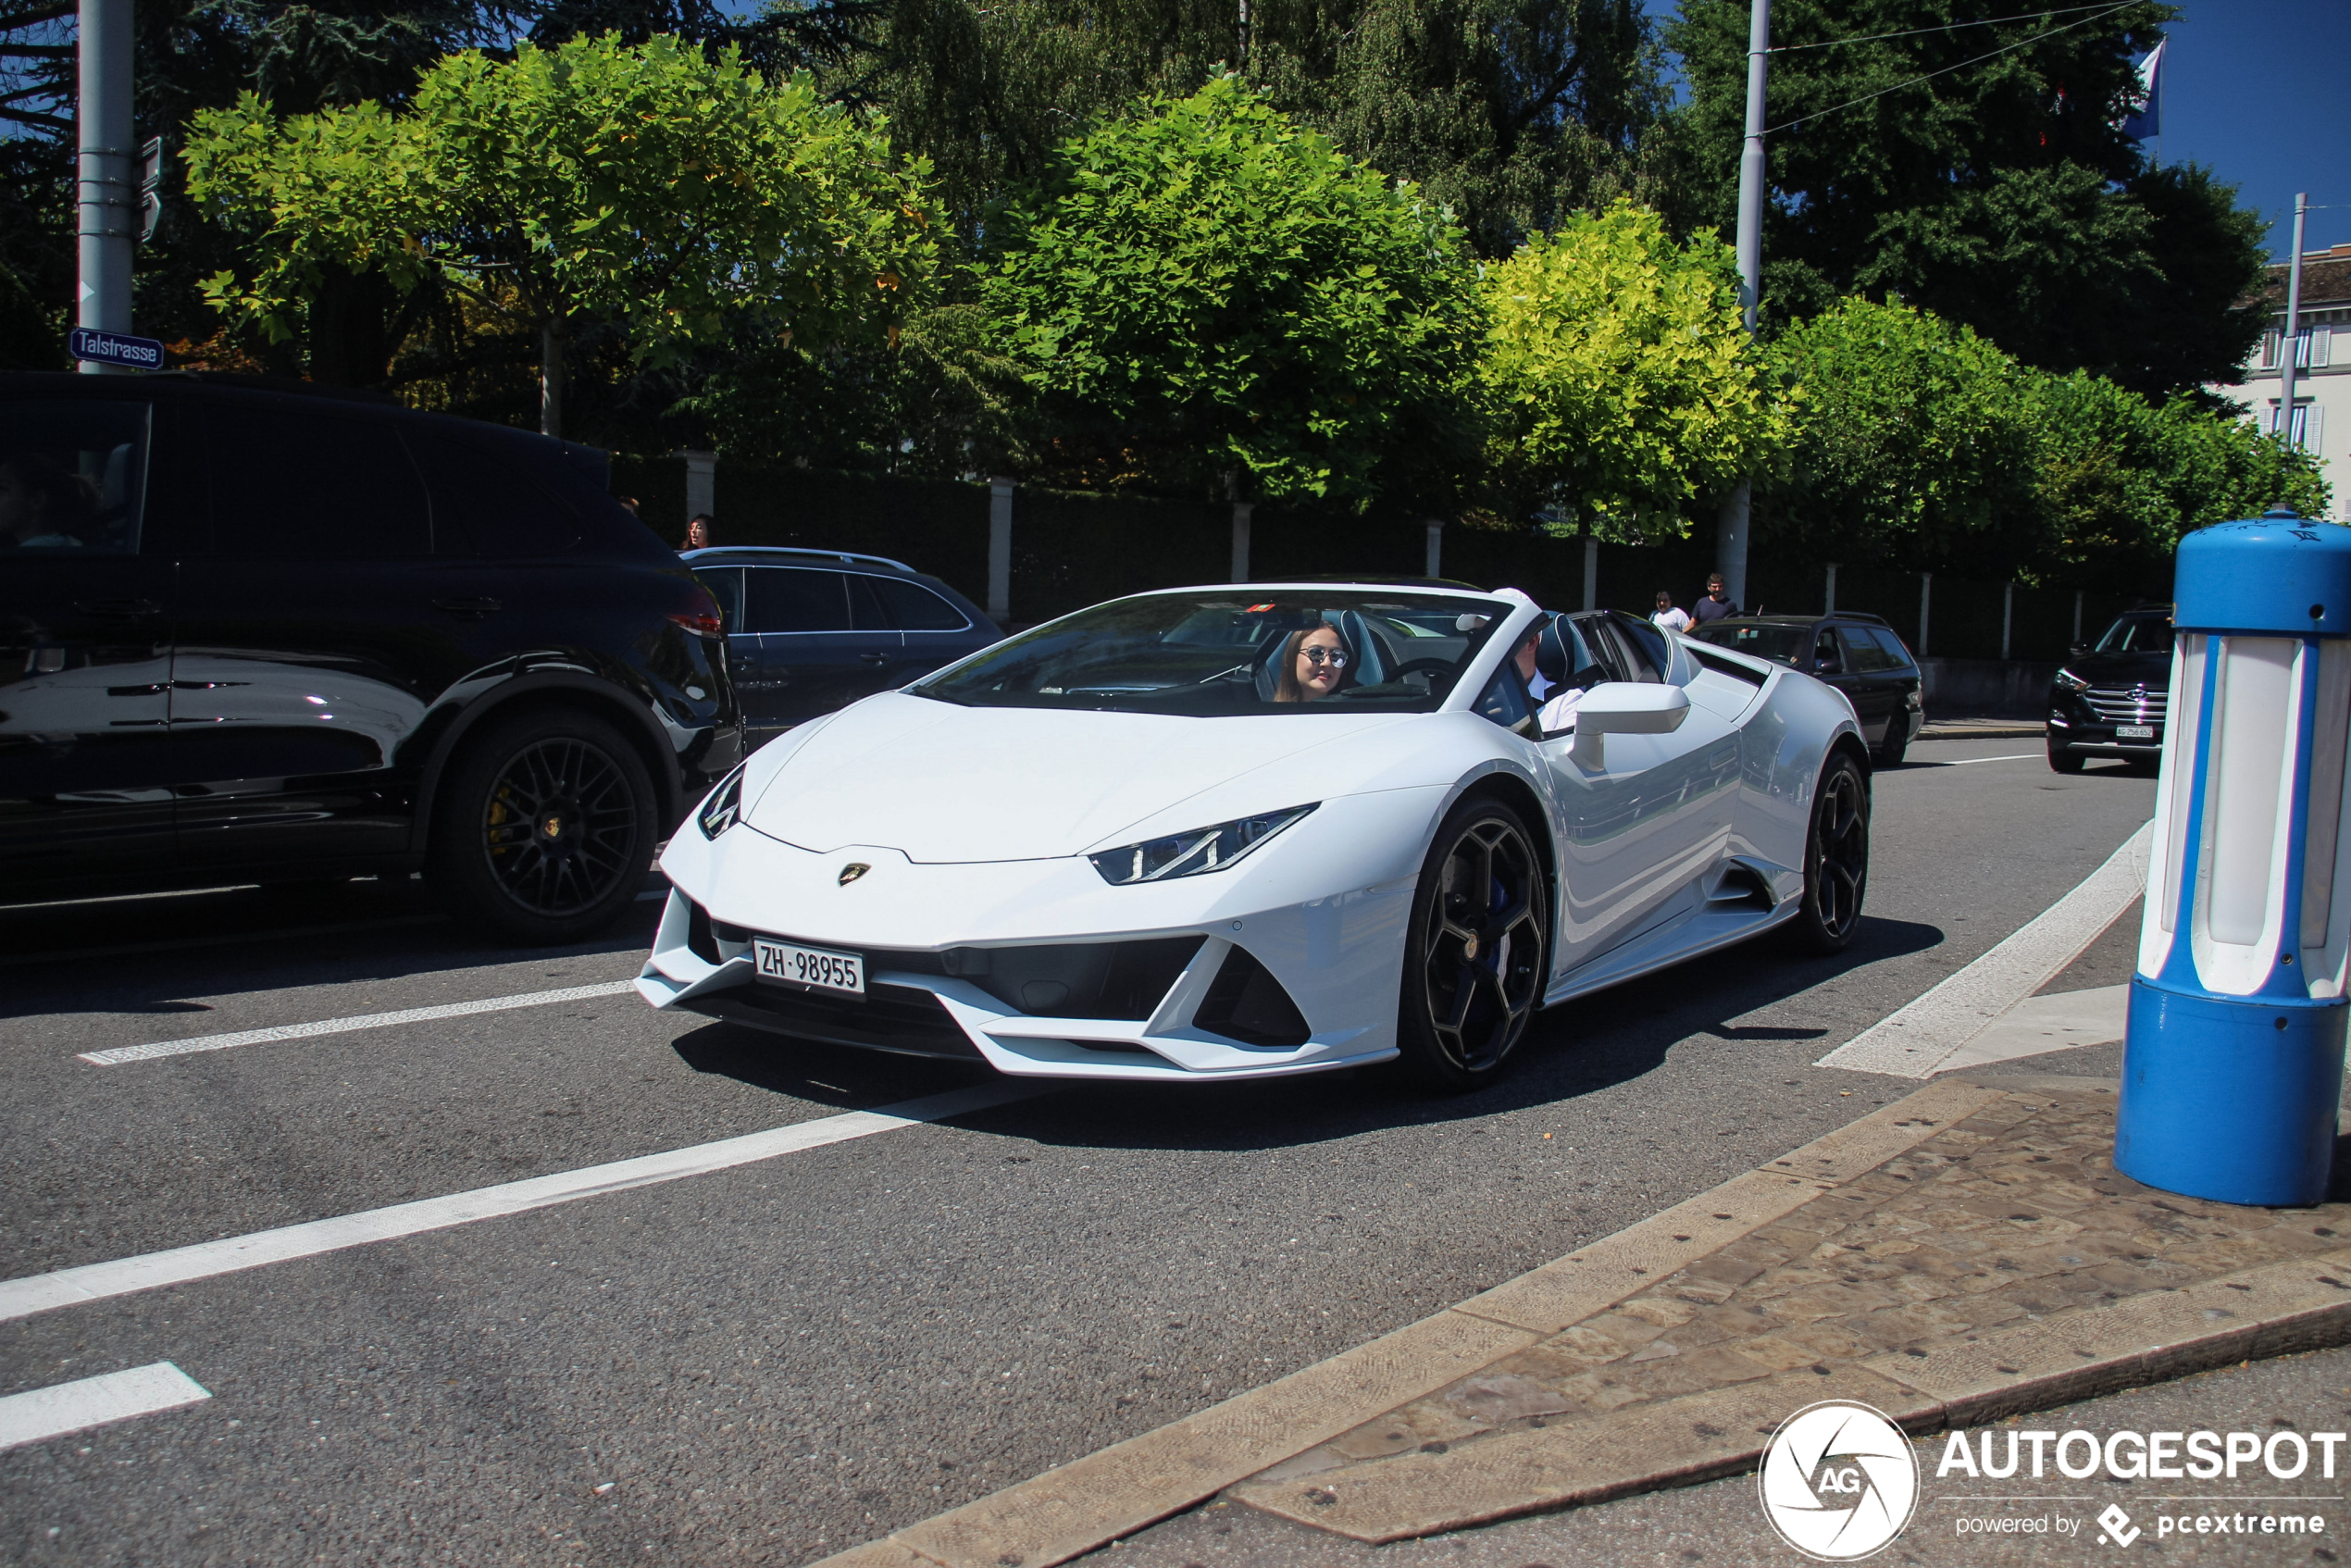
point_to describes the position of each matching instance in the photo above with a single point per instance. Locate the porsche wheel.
(1836, 859)
(544, 828)
(1474, 956)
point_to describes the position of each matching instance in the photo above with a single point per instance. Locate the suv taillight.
(701, 615)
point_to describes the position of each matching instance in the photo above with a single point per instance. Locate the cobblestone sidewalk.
(1971, 1275)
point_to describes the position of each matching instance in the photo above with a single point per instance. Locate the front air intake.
(1246, 1004)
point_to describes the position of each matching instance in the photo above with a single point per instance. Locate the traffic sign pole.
(107, 192)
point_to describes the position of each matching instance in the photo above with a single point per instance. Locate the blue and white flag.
(2147, 119)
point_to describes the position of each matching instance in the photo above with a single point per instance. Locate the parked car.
(1263, 830)
(1858, 655)
(2114, 695)
(254, 632)
(812, 630)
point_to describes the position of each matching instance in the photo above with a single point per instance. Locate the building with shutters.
(2321, 416)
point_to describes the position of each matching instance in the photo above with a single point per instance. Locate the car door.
(317, 631)
(87, 590)
(1874, 693)
(746, 666)
(812, 657)
(1642, 831)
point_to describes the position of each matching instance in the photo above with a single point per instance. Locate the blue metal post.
(2232, 1064)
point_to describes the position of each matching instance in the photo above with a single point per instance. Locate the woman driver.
(1314, 661)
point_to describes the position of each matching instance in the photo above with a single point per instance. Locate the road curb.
(1703, 1436)
(1070, 1510)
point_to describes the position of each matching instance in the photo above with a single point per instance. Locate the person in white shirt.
(1668, 618)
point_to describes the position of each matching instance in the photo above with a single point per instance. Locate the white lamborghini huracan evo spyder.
(1266, 828)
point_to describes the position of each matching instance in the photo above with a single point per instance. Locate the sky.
(2258, 92)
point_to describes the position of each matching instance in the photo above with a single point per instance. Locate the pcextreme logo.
(1838, 1481)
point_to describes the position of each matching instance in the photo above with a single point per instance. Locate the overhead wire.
(1992, 53)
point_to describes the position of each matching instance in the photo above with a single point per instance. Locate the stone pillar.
(1926, 595)
(2007, 615)
(1591, 571)
(1828, 606)
(2077, 618)
(702, 483)
(1435, 548)
(1000, 551)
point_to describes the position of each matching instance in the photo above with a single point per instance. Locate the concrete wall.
(1987, 687)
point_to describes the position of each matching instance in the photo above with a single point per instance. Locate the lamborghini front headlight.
(1190, 854)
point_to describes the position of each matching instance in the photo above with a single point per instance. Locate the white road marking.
(362, 1021)
(40, 1413)
(2057, 1022)
(1918, 1041)
(2020, 757)
(123, 1276)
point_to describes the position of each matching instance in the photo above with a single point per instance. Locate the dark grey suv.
(812, 630)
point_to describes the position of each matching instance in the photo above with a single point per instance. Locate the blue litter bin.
(2232, 1061)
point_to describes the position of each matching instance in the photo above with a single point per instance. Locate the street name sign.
(115, 348)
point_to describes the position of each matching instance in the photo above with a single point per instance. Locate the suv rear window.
(292, 483)
(484, 506)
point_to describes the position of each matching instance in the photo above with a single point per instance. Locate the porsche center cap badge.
(854, 870)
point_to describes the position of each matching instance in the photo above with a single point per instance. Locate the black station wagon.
(812, 630)
(1858, 655)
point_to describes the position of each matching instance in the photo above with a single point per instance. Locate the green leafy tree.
(1210, 292)
(2120, 480)
(647, 186)
(1513, 113)
(1913, 444)
(1621, 376)
(1998, 193)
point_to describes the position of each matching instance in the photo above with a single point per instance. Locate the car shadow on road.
(1583, 1048)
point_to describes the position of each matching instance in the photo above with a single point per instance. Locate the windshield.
(1765, 640)
(1307, 650)
(2137, 634)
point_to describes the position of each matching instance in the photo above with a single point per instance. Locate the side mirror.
(1625, 707)
(2078, 648)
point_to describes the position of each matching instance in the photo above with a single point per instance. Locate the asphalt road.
(767, 1363)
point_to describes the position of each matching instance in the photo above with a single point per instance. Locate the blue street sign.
(115, 348)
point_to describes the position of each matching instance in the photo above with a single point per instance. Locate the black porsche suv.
(262, 632)
(2111, 696)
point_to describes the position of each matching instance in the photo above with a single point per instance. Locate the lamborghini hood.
(942, 783)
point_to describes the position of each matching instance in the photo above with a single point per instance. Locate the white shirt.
(1558, 714)
(1670, 620)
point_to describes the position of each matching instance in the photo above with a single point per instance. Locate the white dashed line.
(42, 1413)
(2020, 757)
(123, 1276)
(361, 1021)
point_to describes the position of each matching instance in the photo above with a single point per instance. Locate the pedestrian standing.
(1668, 618)
(1715, 604)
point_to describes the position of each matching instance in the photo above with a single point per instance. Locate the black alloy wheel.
(1897, 742)
(545, 827)
(1836, 858)
(2061, 760)
(1475, 956)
